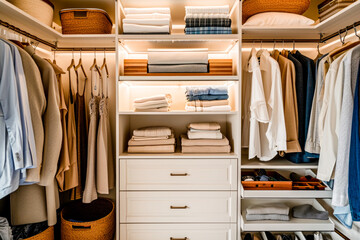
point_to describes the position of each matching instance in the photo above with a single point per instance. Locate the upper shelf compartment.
(177, 11)
(345, 17)
(17, 17)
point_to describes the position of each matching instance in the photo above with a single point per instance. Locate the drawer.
(177, 231)
(178, 174)
(178, 207)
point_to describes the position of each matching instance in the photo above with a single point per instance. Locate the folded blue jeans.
(207, 97)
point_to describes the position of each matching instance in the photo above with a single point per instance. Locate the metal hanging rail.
(53, 46)
(328, 37)
(280, 40)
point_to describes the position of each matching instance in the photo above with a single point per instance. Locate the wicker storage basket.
(42, 10)
(85, 21)
(48, 234)
(94, 221)
(252, 7)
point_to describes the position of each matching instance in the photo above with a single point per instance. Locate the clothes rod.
(341, 31)
(53, 46)
(280, 40)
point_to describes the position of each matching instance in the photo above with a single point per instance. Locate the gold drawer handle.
(177, 207)
(179, 174)
(185, 238)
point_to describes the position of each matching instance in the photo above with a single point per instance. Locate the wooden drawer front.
(177, 232)
(178, 207)
(177, 174)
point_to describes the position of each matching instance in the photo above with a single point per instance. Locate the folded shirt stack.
(158, 103)
(147, 20)
(207, 20)
(178, 60)
(207, 99)
(272, 211)
(204, 138)
(152, 140)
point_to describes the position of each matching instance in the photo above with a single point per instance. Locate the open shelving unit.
(220, 46)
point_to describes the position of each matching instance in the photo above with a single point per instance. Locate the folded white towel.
(177, 57)
(146, 10)
(224, 108)
(207, 9)
(136, 28)
(148, 16)
(207, 15)
(152, 22)
(149, 104)
(152, 98)
(205, 135)
(152, 132)
(153, 106)
(162, 109)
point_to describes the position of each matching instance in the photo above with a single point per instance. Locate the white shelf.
(15, 16)
(345, 17)
(296, 194)
(176, 113)
(177, 155)
(275, 164)
(179, 78)
(295, 224)
(179, 37)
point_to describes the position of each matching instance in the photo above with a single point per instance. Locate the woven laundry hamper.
(85, 21)
(93, 221)
(48, 234)
(252, 7)
(43, 10)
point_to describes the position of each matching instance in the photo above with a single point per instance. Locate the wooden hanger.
(345, 46)
(104, 65)
(80, 65)
(72, 63)
(94, 65)
(294, 50)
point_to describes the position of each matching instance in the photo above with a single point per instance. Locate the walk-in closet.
(179, 120)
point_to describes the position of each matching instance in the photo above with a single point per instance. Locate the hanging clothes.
(305, 87)
(90, 192)
(105, 162)
(27, 212)
(288, 79)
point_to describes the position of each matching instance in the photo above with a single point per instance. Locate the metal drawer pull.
(175, 207)
(185, 238)
(178, 174)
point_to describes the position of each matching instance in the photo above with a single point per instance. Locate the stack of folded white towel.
(204, 138)
(157, 103)
(178, 60)
(147, 20)
(271, 211)
(152, 140)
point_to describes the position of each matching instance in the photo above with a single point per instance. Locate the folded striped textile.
(207, 9)
(224, 108)
(206, 90)
(146, 10)
(207, 22)
(151, 142)
(208, 97)
(207, 103)
(208, 30)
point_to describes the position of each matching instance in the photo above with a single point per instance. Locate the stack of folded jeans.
(147, 20)
(152, 140)
(158, 103)
(178, 60)
(271, 211)
(207, 99)
(204, 138)
(207, 20)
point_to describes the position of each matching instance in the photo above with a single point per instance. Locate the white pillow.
(278, 19)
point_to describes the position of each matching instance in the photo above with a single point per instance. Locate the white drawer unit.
(178, 174)
(178, 207)
(178, 231)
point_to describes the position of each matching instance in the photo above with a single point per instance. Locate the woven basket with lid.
(85, 21)
(93, 221)
(252, 7)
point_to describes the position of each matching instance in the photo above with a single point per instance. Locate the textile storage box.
(266, 185)
(138, 67)
(330, 7)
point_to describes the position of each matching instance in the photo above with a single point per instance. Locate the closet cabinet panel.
(177, 231)
(178, 207)
(178, 174)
